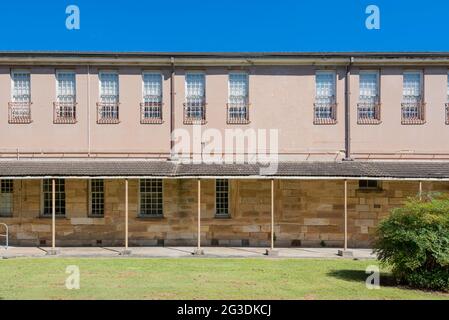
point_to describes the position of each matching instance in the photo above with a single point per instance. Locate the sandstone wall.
(308, 213)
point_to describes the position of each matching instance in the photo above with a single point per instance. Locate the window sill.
(370, 190)
(369, 123)
(95, 217)
(142, 217)
(50, 217)
(228, 217)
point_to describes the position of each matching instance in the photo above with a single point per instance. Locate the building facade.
(89, 151)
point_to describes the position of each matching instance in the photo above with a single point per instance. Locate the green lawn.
(190, 278)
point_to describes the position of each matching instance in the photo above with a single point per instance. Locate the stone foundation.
(307, 213)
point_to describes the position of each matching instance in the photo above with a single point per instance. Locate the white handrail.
(5, 235)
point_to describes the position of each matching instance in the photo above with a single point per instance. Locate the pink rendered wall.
(281, 98)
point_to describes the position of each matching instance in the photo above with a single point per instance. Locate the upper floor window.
(447, 104)
(20, 106)
(195, 105)
(412, 100)
(108, 107)
(151, 194)
(151, 107)
(222, 198)
(65, 105)
(47, 190)
(325, 100)
(368, 108)
(6, 197)
(238, 105)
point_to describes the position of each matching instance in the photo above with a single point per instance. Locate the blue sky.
(225, 25)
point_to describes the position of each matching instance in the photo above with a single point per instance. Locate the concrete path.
(180, 252)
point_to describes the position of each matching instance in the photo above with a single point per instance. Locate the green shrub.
(414, 241)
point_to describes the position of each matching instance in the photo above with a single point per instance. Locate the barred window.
(66, 86)
(6, 197)
(60, 207)
(21, 86)
(325, 97)
(447, 102)
(151, 197)
(222, 197)
(65, 106)
(368, 107)
(109, 87)
(97, 197)
(152, 96)
(412, 101)
(369, 184)
(238, 97)
(195, 97)
(108, 108)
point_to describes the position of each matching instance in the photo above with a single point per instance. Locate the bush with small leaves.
(414, 241)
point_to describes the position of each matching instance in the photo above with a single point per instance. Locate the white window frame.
(228, 215)
(334, 77)
(186, 96)
(100, 74)
(24, 71)
(63, 71)
(152, 119)
(11, 199)
(139, 200)
(377, 73)
(89, 186)
(421, 80)
(245, 112)
(43, 198)
(333, 102)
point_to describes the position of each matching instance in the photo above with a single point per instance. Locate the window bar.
(413, 112)
(19, 112)
(151, 110)
(325, 113)
(238, 113)
(64, 112)
(195, 111)
(108, 112)
(368, 113)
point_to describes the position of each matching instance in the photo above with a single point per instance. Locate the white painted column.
(345, 252)
(420, 190)
(272, 214)
(346, 216)
(53, 215)
(198, 250)
(126, 215)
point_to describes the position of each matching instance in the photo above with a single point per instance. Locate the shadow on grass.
(386, 279)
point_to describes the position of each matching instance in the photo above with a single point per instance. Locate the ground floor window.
(6, 197)
(151, 197)
(60, 207)
(369, 184)
(96, 189)
(222, 198)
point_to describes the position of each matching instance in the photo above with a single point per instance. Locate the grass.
(199, 278)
